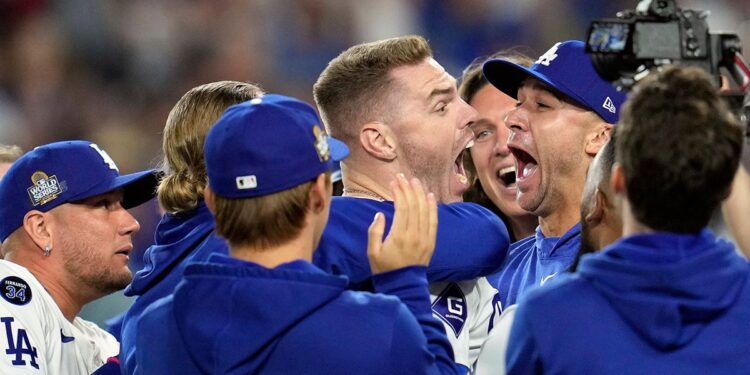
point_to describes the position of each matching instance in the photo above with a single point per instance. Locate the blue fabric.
(532, 260)
(179, 240)
(471, 240)
(648, 304)
(228, 316)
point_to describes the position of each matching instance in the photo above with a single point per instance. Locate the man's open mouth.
(458, 164)
(525, 164)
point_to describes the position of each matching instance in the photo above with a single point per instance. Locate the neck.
(523, 226)
(361, 185)
(630, 225)
(559, 221)
(47, 274)
(300, 247)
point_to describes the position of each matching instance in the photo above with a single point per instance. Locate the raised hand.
(411, 240)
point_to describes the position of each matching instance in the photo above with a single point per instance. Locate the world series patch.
(44, 189)
(450, 307)
(15, 290)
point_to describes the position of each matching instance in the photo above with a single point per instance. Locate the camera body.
(658, 33)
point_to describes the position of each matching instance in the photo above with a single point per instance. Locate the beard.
(89, 267)
(429, 169)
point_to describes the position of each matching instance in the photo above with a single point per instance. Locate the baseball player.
(265, 308)
(66, 236)
(562, 119)
(398, 110)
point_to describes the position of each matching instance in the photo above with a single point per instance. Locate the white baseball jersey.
(491, 360)
(35, 337)
(467, 310)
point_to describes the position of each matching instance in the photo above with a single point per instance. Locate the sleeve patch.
(450, 307)
(15, 290)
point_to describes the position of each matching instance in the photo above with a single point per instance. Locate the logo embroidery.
(44, 189)
(321, 143)
(548, 56)
(20, 345)
(450, 307)
(609, 105)
(108, 160)
(246, 182)
(546, 278)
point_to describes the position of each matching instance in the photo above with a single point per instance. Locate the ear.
(208, 197)
(378, 140)
(36, 224)
(320, 193)
(596, 215)
(617, 181)
(596, 140)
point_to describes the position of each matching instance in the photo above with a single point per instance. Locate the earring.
(47, 250)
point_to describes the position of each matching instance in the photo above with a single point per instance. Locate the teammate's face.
(492, 159)
(547, 138)
(95, 241)
(431, 123)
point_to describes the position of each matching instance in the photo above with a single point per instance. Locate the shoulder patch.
(450, 307)
(15, 290)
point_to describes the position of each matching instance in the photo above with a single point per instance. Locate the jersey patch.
(450, 307)
(15, 290)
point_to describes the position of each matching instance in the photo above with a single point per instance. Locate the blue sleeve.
(522, 356)
(471, 242)
(410, 286)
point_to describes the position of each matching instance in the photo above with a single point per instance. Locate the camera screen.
(608, 36)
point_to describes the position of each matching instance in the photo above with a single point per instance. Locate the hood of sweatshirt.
(667, 286)
(229, 303)
(176, 237)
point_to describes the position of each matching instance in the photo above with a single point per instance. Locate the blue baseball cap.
(62, 172)
(267, 145)
(567, 69)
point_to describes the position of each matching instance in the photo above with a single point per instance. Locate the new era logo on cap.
(267, 145)
(567, 69)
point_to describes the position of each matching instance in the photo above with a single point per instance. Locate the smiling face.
(548, 136)
(431, 124)
(494, 163)
(94, 238)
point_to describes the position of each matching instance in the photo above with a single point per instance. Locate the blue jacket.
(648, 304)
(234, 317)
(471, 241)
(533, 261)
(180, 239)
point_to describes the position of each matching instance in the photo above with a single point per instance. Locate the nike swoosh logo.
(66, 339)
(546, 278)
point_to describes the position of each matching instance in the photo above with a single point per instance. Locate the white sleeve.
(467, 310)
(491, 359)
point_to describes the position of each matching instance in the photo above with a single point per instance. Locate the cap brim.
(339, 151)
(138, 188)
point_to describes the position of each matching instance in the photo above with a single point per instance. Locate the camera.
(656, 33)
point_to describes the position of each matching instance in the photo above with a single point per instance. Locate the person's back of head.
(679, 147)
(266, 160)
(184, 134)
(352, 90)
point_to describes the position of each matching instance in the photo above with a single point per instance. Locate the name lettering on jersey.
(548, 56)
(450, 307)
(44, 188)
(19, 345)
(105, 156)
(15, 290)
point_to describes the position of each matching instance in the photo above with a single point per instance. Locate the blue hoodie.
(533, 261)
(229, 316)
(180, 239)
(471, 241)
(648, 304)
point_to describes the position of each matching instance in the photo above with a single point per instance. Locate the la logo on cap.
(44, 188)
(548, 56)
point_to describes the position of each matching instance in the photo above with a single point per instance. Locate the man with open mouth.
(399, 111)
(563, 116)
